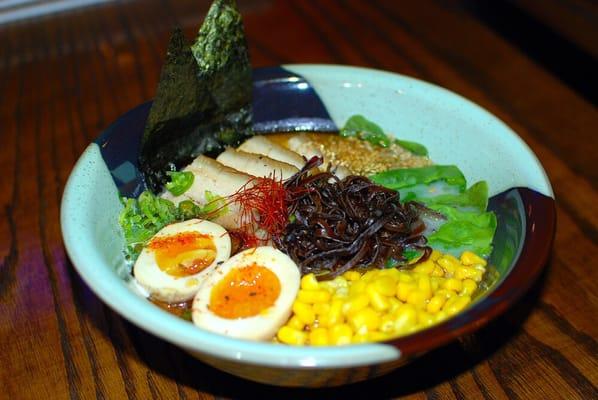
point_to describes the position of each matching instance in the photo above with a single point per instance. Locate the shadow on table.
(423, 374)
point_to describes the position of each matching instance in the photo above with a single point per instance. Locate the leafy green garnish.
(415, 148)
(188, 209)
(141, 218)
(216, 205)
(362, 128)
(410, 256)
(186, 315)
(464, 230)
(443, 189)
(180, 182)
(407, 177)
(474, 199)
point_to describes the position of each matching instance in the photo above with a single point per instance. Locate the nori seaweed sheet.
(203, 100)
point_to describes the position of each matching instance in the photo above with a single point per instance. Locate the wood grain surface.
(64, 78)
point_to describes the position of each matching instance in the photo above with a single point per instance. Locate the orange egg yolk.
(183, 254)
(245, 292)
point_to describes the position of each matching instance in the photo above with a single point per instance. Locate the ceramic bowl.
(321, 98)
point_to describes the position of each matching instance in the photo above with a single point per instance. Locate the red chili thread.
(263, 205)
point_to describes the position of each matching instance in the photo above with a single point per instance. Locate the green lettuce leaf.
(464, 231)
(362, 128)
(415, 148)
(474, 199)
(443, 189)
(406, 177)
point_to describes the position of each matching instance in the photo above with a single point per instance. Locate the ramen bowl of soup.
(318, 252)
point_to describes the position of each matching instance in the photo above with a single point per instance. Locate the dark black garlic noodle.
(337, 224)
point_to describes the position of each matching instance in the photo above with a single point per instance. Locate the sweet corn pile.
(382, 304)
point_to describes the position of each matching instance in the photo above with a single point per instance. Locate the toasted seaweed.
(203, 100)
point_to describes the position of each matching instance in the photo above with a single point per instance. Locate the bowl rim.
(540, 229)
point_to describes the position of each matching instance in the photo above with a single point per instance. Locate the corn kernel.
(403, 290)
(377, 300)
(295, 323)
(335, 315)
(425, 286)
(318, 337)
(387, 323)
(365, 320)
(313, 296)
(342, 292)
(321, 308)
(462, 272)
(340, 334)
(340, 282)
(425, 267)
(459, 304)
(352, 275)
(470, 258)
(304, 312)
(356, 303)
(357, 287)
(369, 275)
(425, 319)
(435, 304)
(417, 298)
(449, 263)
(405, 277)
(385, 285)
(453, 284)
(360, 338)
(406, 316)
(394, 304)
(391, 273)
(479, 267)
(477, 275)
(309, 282)
(469, 287)
(449, 303)
(326, 285)
(440, 316)
(380, 304)
(446, 293)
(378, 336)
(469, 272)
(289, 335)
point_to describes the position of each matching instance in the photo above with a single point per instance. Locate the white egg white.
(264, 325)
(168, 288)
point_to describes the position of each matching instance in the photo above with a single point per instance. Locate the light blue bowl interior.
(455, 131)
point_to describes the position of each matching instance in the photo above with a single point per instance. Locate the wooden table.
(66, 77)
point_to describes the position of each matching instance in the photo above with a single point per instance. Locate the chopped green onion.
(180, 182)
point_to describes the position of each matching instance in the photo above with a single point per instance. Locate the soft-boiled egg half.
(177, 260)
(249, 296)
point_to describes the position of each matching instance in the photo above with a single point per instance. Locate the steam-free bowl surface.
(321, 98)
